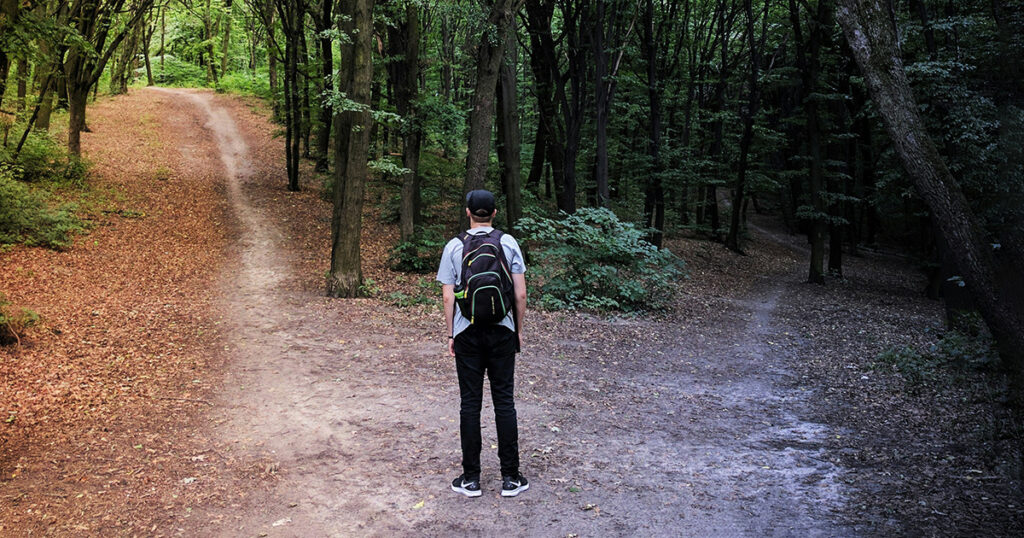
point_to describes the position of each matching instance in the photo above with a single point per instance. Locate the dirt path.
(684, 426)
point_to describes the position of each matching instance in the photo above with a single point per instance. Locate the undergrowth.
(32, 211)
(591, 260)
(955, 351)
(14, 321)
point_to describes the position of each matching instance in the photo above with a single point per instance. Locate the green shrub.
(25, 216)
(249, 83)
(421, 253)
(14, 321)
(954, 350)
(427, 292)
(594, 261)
(173, 72)
(43, 160)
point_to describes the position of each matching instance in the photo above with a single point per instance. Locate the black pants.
(489, 349)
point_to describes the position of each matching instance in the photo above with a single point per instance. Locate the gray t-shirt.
(450, 270)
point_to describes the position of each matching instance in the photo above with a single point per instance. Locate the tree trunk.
(489, 55)
(45, 105)
(601, 102)
(302, 70)
(403, 74)
(323, 135)
(749, 115)
(508, 134)
(77, 99)
(870, 32)
(537, 163)
(226, 40)
(654, 196)
(549, 83)
(346, 276)
(147, 39)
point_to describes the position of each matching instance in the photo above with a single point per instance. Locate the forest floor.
(191, 379)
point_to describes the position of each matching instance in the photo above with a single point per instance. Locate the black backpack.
(485, 291)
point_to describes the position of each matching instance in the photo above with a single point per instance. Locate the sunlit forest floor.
(191, 379)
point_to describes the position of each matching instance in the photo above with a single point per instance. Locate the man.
(481, 347)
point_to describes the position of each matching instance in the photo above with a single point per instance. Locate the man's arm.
(448, 297)
(519, 283)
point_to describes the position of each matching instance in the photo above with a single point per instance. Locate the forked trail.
(686, 426)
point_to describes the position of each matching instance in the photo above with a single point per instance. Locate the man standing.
(484, 334)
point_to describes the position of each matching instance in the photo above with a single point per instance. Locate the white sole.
(466, 492)
(514, 492)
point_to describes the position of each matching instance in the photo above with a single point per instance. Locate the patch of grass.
(14, 321)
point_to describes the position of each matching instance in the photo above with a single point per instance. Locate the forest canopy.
(861, 124)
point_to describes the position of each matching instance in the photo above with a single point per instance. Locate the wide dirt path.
(689, 425)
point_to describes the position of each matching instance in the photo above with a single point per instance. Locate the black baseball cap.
(480, 202)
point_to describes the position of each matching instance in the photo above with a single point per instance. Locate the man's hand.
(520, 336)
(451, 347)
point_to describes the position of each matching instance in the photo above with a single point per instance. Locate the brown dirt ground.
(192, 380)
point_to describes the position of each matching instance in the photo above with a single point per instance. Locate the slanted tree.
(993, 279)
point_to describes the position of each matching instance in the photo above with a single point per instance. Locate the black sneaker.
(469, 488)
(513, 485)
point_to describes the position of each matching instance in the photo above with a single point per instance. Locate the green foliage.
(174, 72)
(591, 260)
(420, 253)
(427, 291)
(43, 160)
(25, 216)
(27, 213)
(14, 321)
(954, 350)
(444, 123)
(248, 83)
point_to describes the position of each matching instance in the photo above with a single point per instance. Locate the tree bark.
(226, 40)
(322, 21)
(403, 71)
(508, 134)
(481, 116)
(346, 277)
(83, 68)
(654, 195)
(870, 32)
(749, 115)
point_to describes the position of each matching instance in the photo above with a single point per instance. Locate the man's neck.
(479, 225)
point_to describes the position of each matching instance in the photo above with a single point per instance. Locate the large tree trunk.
(45, 105)
(346, 276)
(9, 10)
(481, 116)
(544, 63)
(870, 32)
(77, 99)
(508, 134)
